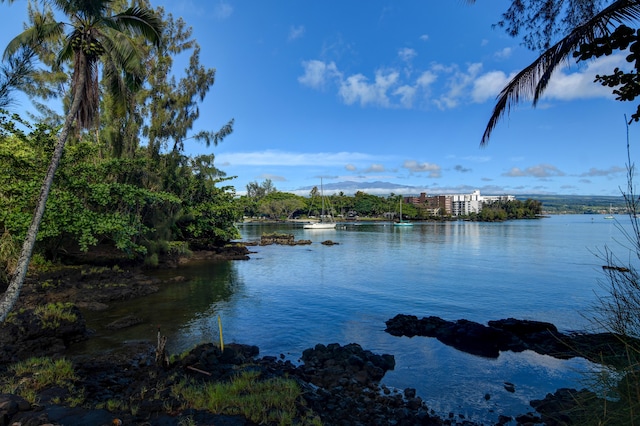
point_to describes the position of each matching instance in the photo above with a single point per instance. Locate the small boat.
(326, 221)
(610, 215)
(402, 222)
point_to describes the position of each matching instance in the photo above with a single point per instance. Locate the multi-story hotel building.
(455, 204)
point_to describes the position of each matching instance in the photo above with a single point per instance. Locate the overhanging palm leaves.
(531, 82)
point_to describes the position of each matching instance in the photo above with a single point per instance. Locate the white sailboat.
(402, 222)
(326, 221)
(610, 215)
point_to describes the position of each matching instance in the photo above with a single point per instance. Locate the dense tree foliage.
(108, 201)
(278, 205)
(505, 210)
(112, 189)
(96, 36)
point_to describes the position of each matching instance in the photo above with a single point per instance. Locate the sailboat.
(326, 222)
(610, 215)
(402, 222)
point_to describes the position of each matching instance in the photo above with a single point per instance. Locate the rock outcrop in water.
(509, 335)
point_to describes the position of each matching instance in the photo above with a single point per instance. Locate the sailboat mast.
(322, 198)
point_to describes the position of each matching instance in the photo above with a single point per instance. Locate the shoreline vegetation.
(138, 383)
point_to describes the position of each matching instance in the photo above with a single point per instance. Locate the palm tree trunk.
(10, 297)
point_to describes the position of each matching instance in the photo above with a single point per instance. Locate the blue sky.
(394, 92)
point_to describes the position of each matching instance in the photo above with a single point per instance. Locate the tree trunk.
(10, 297)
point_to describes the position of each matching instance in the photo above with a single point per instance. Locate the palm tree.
(94, 38)
(15, 74)
(532, 81)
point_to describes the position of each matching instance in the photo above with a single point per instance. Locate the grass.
(273, 400)
(263, 401)
(53, 314)
(35, 374)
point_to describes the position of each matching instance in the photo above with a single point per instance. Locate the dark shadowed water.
(286, 299)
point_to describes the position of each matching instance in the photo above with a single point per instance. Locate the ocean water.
(289, 298)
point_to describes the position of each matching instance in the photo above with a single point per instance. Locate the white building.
(464, 204)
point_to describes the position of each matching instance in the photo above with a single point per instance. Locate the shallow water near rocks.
(289, 298)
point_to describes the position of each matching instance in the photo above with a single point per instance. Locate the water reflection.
(289, 298)
(187, 296)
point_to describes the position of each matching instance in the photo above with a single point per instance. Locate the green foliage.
(170, 105)
(370, 205)
(505, 210)
(281, 205)
(626, 84)
(126, 203)
(35, 374)
(539, 22)
(52, 315)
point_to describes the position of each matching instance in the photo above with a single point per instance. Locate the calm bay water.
(286, 299)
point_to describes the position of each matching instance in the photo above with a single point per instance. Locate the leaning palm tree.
(531, 82)
(91, 38)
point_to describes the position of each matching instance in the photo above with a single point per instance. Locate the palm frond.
(137, 20)
(15, 74)
(125, 52)
(68, 7)
(66, 53)
(531, 82)
(33, 36)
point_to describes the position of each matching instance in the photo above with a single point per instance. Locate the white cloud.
(357, 88)
(458, 85)
(539, 171)
(488, 86)
(433, 170)
(477, 158)
(504, 53)
(391, 88)
(611, 171)
(375, 168)
(350, 167)
(296, 32)
(407, 54)
(275, 178)
(316, 73)
(222, 10)
(406, 94)
(426, 79)
(283, 158)
(424, 37)
(565, 85)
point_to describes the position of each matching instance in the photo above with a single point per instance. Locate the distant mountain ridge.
(552, 203)
(360, 186)
(383, 188)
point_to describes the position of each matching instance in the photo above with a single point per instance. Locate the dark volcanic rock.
(569, 406)
(26, 334)
(463, 335)
(340, 384)
(282, 239)
(213, 253)
(124, 322)
(510, 335)
(327, 366)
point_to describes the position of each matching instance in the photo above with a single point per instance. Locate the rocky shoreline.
(341, 384)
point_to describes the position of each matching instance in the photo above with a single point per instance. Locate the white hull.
(319, 226)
